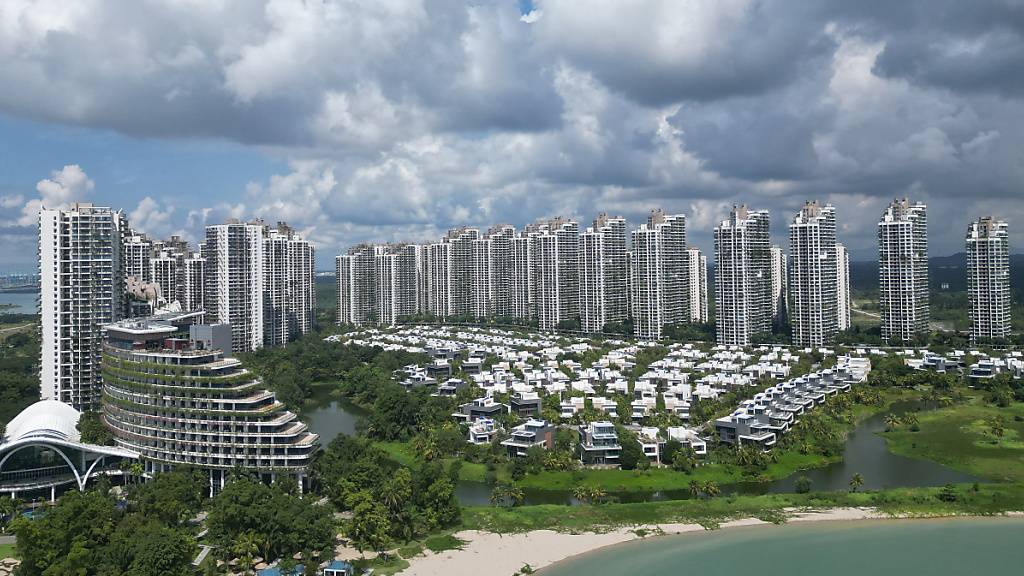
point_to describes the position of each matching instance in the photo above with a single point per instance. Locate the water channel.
(865, 453)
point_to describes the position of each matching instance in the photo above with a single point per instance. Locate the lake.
(865, 453)
(22, 302)
(332, 419)
(943, 547)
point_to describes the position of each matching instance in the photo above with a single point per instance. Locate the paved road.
(8, 539)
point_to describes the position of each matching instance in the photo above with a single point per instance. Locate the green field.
(961, 437)
(7, 551)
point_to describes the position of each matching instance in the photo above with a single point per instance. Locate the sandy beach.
(505, 554)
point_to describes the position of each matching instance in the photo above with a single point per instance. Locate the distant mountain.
(944, 273)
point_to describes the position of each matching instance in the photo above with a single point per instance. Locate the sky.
(390, 120)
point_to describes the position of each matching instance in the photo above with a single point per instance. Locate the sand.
(504, 555)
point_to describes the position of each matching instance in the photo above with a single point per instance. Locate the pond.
(333, 418)
(865, 453)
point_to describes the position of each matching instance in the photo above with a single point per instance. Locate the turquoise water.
(906, 547)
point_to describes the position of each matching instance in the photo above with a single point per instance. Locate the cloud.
(64, 187)
(397, 119)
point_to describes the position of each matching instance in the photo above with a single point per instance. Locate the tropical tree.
(892, 422)
(711, 488)
(997, 426)
(695, 488)
(856, 482)
(246, 548)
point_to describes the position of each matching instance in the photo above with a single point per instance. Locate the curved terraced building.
(171, 395)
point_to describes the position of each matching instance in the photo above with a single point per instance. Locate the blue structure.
(339, 568)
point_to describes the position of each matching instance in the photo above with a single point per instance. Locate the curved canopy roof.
(45, 419)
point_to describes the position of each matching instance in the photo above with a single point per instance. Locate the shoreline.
(506, 554)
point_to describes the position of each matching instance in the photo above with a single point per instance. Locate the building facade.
(556, 258)
(171, 395)
(82, 287)
(780, 285)
(603, 274)
(903, 270)
(235, 281)
(697, 278)
(813, 275)
(742, 276)
(660, 284)
(988, 279)
(844, 318)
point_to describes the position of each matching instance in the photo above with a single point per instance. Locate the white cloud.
(63, 187)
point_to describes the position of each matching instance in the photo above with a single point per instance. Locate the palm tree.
(892, 422)
(711, 489)
(695, 488)
(856, 482)
(245, 548)
(581, 493)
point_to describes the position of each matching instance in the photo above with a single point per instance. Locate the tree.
(695, 489)
(711, 489)
(505, 494)
(245, 549)
(369, 526)
(632, 454)
(68, 539)
(802, 485)
(93, 430)
(856, 482)
(892, 422)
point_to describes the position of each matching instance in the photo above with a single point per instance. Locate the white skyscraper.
(82, 287)
(501, 264)
(556, 251)
(903, 270)
(988, 278)
(235, 278)
(603, 274)
(780, 284)
(438, 273)
(356, 273)
(523, 286)
(482, 290)
(396, 282)
(697, 278)
(843, 313)
(660, 285)
(193, 282)
(138, 250)
(813, 275)
(742, 276)
(289, 303)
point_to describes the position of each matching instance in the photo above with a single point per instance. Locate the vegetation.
(19, 374)
(986, 499)
(977, 437)
(93, 430)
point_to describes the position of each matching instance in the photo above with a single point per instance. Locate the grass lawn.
(402, 453)
(7, 551)
(989, 499)
(960, 437)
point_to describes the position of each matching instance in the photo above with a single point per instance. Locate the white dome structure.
(51, 426)
(45, 419)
